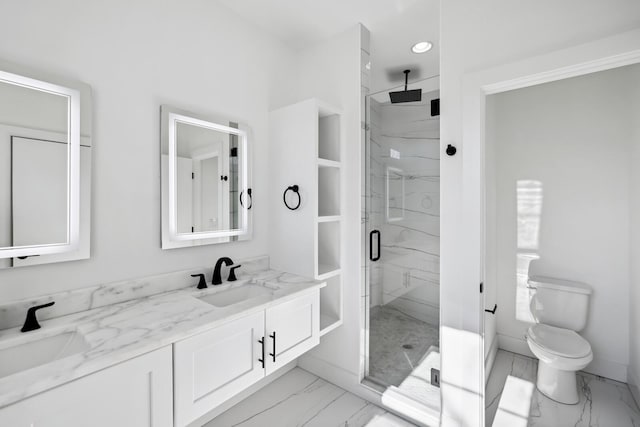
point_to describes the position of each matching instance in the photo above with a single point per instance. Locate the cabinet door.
(292, 328)
(213, 366)
(134, 393)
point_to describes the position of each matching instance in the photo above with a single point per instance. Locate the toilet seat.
(559, 342)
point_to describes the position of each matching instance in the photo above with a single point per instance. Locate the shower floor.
(397, 343)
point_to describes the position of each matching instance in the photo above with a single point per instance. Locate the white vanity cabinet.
(213, 366)
(292, 328)
(134, 393)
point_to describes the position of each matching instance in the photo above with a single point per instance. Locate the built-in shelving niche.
(329, 218)
(308, 139)
(328, 248)
(331, 304)
(328, 191)
(329, 137)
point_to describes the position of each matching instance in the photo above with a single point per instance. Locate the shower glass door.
(402, 202)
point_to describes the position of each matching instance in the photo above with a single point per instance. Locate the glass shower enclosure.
(402, 241)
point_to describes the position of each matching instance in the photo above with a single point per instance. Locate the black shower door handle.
(377, 233)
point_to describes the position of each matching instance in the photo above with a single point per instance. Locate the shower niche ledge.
(308, 151)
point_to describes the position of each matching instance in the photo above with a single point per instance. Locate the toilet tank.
(561, 303)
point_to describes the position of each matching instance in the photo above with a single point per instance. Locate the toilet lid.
(559, 341)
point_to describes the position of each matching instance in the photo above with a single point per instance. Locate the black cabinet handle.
(273, 355)
(261, 341)
(377, 233)
(495, 307)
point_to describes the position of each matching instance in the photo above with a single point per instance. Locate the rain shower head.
(406, 95)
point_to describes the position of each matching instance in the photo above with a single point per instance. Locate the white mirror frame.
(73, 168)
(173, 118)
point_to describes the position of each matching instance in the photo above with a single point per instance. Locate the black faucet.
(31, 322)
(217, 279)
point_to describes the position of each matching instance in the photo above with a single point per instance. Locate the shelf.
(331, 304)
(326, 271)
(328, 191)
(329, 218)
(329, 137)
(325, 163)
(328, 323)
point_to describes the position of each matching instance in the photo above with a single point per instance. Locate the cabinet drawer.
(211, 367)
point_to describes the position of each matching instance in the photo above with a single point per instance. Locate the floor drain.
(407, 346)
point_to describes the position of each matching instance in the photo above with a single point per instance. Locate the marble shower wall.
(405, 138)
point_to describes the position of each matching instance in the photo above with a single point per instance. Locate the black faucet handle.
(232, 273)
(202, 284)
(31, 322)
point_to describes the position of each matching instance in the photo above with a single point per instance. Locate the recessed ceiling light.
(421, 47)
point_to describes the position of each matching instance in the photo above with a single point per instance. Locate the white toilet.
(559, 308)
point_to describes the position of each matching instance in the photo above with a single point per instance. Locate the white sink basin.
(34, 353)
(236, 295)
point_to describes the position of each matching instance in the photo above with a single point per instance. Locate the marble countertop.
(122, 331)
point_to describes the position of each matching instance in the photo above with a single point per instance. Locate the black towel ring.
(295, 189)
(250, 198)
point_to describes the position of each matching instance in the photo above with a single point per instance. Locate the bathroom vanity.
(162, 359)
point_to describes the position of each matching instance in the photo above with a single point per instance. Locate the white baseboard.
(491, 358)
(602, 367)
(608, 369)
(633, 380)
(514, 345)
(343, 378)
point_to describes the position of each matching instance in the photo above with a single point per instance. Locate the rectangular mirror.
(206, 196)
(45, 169)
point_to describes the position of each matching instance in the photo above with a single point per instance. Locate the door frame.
(599, 55)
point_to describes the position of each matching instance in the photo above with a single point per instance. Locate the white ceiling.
(395, 26)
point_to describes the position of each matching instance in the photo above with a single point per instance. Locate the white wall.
(634, 300)
(477, 35)
(194, 55)
(570, 140)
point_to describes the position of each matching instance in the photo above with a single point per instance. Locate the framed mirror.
(205, 167)
(395, 194)
(45, 170)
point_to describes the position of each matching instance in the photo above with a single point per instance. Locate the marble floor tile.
(603, 402)
(397, 344)
(299, 398)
